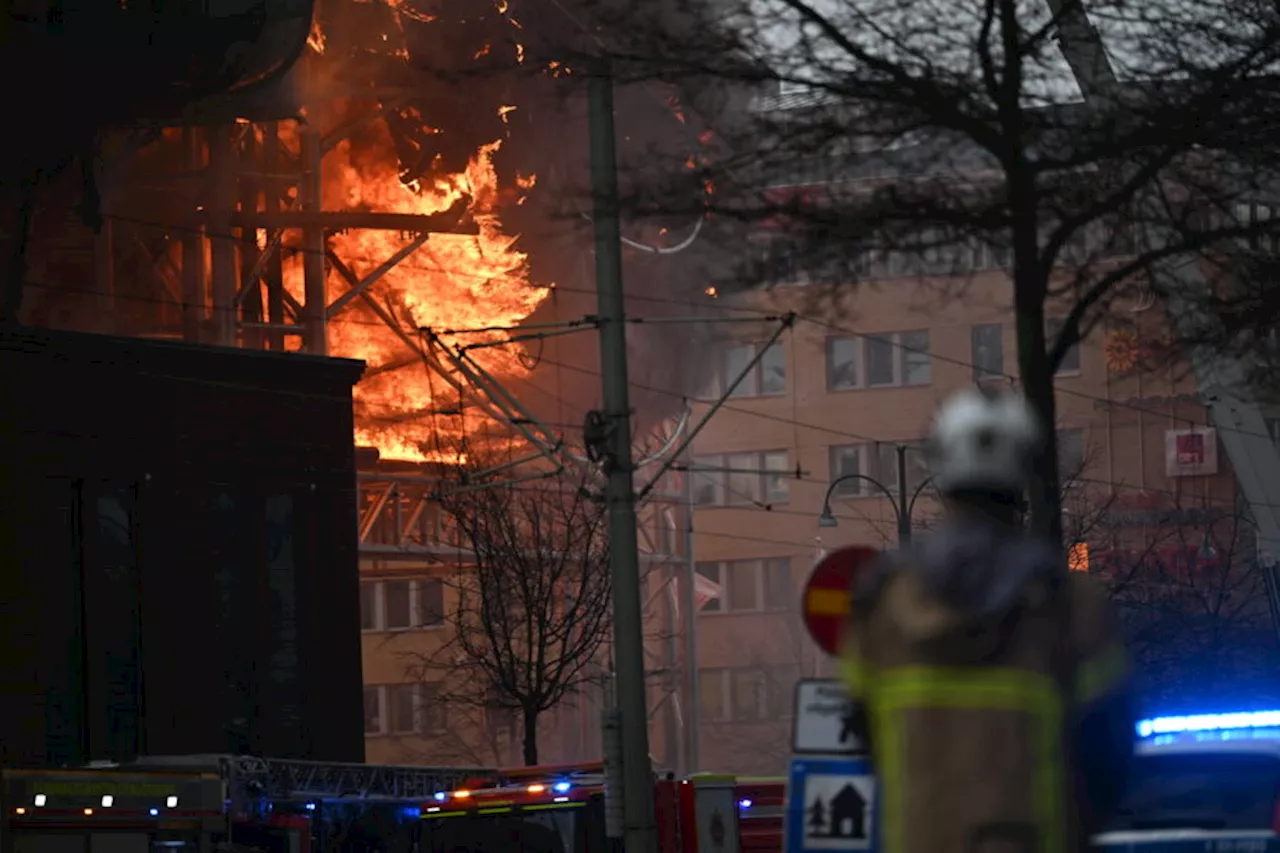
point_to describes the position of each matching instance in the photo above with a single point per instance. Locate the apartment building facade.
(416, 563)
(836, 395)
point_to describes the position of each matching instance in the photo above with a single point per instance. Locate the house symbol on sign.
(845, 816)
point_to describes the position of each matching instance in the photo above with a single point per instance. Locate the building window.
(403, 709)
(842, 363)
(430, 601)
(711, 571)
(988, 350)
(782, 684)
(400, 605)
(373, 722)
(766, 378)
(368, 606)
(746, 694)
(402, 699)
(749, 586)
(1071, 359)
(749, 689)
(846, 461)
(397, 600)
(1070, 455)
(879, 462)
(432, 708)
(737, 479)
(892, 359)
(712, 704)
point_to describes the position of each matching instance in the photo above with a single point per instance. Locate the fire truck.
(564, 809)
(204, 804)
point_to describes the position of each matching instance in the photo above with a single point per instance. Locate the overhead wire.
(701, 304)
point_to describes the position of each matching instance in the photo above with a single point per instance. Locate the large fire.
(453, 282)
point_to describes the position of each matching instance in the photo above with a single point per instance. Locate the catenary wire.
(821, 322)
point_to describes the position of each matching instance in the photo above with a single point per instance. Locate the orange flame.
(454, 281)
(451, 282)
(316, 40)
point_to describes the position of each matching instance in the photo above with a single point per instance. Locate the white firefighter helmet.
(983, 442)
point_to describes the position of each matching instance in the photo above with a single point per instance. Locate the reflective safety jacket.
(975, 655)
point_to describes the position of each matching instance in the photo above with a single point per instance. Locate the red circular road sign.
(826, 594)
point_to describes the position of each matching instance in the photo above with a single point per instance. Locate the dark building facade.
(179, 568)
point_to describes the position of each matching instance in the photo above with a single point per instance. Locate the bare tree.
(880, 139)
(1193, 598)
(531, 609)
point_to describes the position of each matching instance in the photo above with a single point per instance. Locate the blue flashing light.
(744, 804)
(561, 787)
(441, 796)
(311, 807)
(1208, 723)
(154, 812)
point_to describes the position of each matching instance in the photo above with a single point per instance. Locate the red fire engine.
(197, 804)
(563, 809)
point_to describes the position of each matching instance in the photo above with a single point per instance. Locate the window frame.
(720, 676)
(901, 358)
(428, 713)
(871, 459)
(757, 681)
(416, 610)
(857, 360)
(396, 692)
(754, 381)
(773, 700)
(714, 470)
(852, 488)
(768, 575)
(380, 715)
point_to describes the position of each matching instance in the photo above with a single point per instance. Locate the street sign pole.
(831, 791)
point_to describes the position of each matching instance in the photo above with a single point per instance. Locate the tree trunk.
(1030, 289)
(1036, 375)
(530, 722)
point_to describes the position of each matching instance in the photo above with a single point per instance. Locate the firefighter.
(992, 683)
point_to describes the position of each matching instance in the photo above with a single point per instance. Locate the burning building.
(385, 199)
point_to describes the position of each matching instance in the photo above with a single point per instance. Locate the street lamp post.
(902, 503)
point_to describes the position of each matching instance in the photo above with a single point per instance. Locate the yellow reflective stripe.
(853, 669)
(1100, 674)
(916, 688)
(854, 675)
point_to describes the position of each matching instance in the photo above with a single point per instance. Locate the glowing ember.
(315, 40)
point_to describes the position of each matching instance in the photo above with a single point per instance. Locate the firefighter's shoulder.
(1096, 639)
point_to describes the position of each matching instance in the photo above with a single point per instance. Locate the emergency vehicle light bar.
(1208, 723)
(535, 788)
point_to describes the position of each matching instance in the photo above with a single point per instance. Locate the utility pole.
(639, 826)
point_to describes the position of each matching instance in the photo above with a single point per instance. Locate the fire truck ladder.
(251, 779)
(1224, 388)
